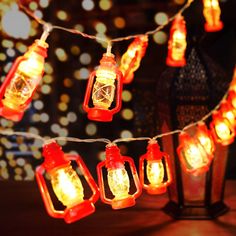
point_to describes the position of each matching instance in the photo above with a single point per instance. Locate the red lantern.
(22, 80)
(203, 135)
(103, 90)
(130, 61)
(157, 169)
(66, 184)
(118, 179)
(211, 12)
(177, 43)
(221, 129)
(193, 155)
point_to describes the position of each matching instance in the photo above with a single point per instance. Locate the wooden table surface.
(22, 213)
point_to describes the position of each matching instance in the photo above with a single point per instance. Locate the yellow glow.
(193, 156)
(118, 181)
(155, 172)
(62, 15)
(222, 131)
(230, 116)
(104, 88)
(206, 143)
(67, 186)
(126, 96)
(105, 4)
(178, 45)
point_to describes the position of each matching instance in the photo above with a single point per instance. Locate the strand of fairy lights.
(195, 157)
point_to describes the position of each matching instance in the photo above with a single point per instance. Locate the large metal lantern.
(193, 91)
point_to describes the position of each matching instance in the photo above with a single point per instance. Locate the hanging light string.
(104, 40)
(48, 27)
(107, 141)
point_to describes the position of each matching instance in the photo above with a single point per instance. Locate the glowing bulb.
(67, 186)
(155, 172)
(230, 116)
(118, 181)
(222, 131)
(16, 23)
(104, 88)
(178, 45)
(206, 142)
(194, 156)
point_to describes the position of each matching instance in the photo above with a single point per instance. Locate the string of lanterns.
(104, 85)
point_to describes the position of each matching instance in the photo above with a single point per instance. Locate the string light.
(57, 164)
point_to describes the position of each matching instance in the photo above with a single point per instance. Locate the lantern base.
(10, 114)
(100, 115)
(78, 211)
(156, 190)
(180, 212)
(213, 28)
(174, 63)
(123, 203)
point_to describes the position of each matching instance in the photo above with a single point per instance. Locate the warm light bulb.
(206, 143)
(222, 131)
(67, 186)
(16, 23)
(118, 181)
(178, 45)
(230, 116)
(104, 88)
(155, 172)
(194, 156)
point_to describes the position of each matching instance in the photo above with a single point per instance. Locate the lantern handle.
(101, 183)
(135, 176)
(118, 93)
(141, 170)
(88, 91)
(45, 194)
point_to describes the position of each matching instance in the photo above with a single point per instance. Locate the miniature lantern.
(66, 185)
(118, 179)
(22, 80)
(177, 43)
(130, 61)
(193, 155)
(211, 12)
(108, 82)
(227, 111)
(221, 129)
(157, 169)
